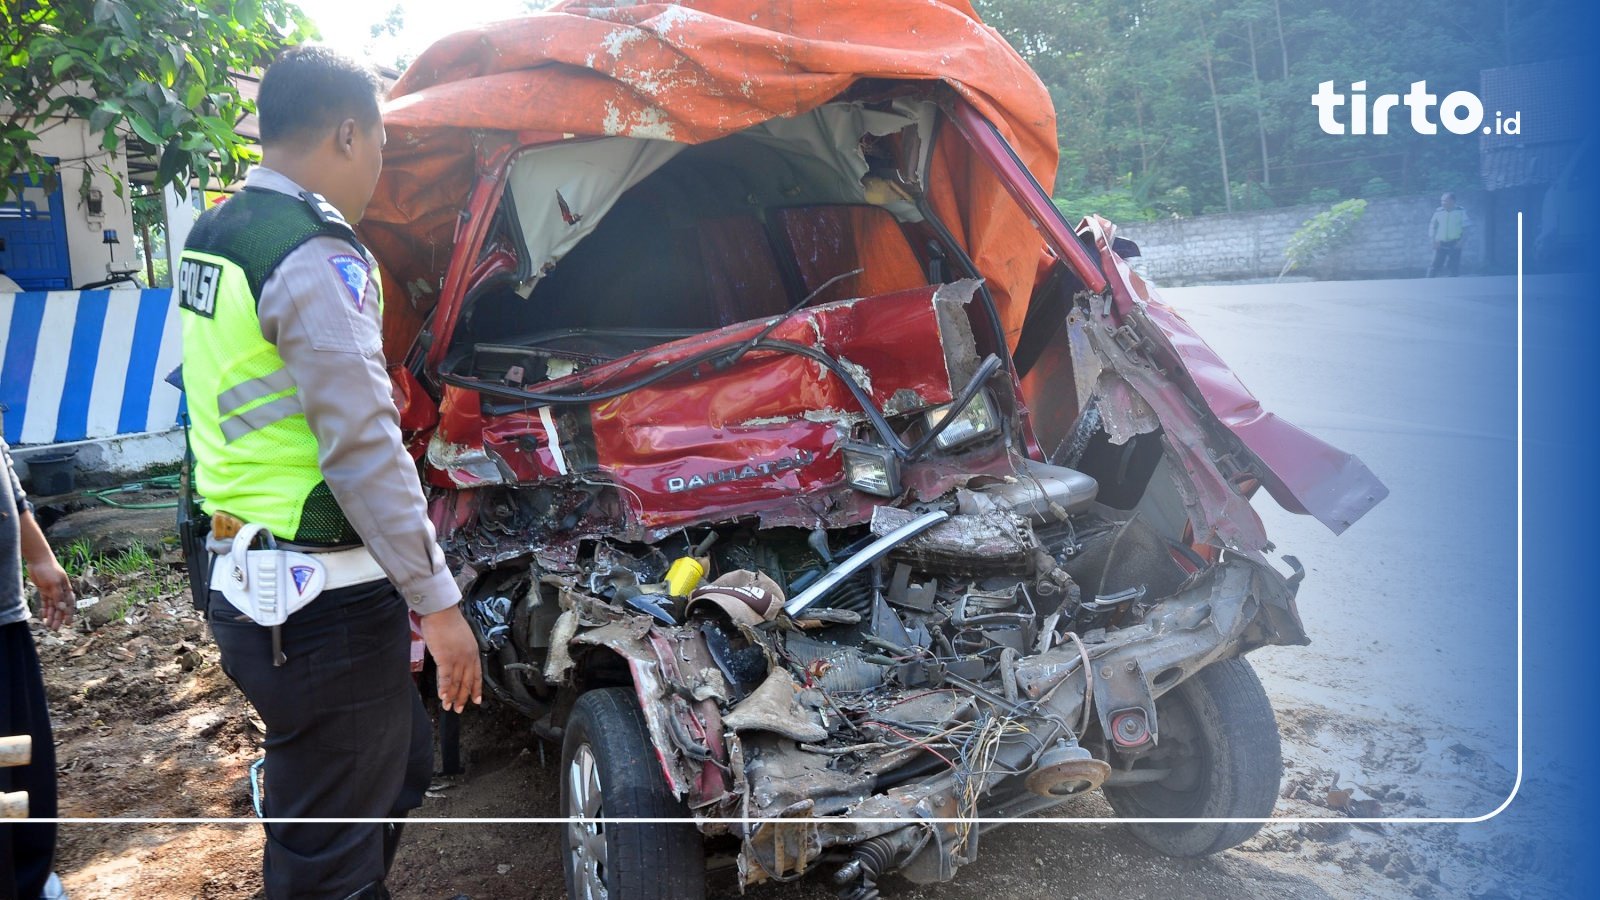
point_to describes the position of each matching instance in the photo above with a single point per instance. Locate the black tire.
(1219, 738)
(641, 861)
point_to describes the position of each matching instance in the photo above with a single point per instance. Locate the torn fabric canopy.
(688, 73)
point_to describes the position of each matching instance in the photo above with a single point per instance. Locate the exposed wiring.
(977, 765)
(1088, 683)
(923, 745)
(523, 399)
(779, 320)
(928, 693)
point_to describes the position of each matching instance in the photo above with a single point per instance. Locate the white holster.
(266, 585)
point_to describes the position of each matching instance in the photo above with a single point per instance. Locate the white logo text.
(1460, 112)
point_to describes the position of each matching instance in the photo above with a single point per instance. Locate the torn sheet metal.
(1303, 473)
(761, 438)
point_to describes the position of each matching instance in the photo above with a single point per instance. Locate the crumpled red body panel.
(1303, 473)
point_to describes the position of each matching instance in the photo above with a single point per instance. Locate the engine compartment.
(1002, 651)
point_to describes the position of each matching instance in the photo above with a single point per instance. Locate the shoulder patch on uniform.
(353, 272)
(325, 211)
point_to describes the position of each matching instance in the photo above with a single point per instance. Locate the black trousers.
(26, 851)
(347, 736)
(1446, 259)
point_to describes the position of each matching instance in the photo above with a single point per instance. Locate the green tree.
(385, 37)
(1207, 103)
(151, 71)
(1322, 234)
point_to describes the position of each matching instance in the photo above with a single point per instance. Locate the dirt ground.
(1376, 720)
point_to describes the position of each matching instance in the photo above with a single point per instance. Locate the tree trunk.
(149, 255)
(1283, 46)
(1261, 123)
(1216, 110)
(1144, 151)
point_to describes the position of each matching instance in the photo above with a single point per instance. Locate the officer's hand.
(455, 651)
(55, 591)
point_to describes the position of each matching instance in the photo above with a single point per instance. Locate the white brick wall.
(1391, 240)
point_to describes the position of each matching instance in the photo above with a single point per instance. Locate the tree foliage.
(1183, 107)
(1321, 234)
(155, 72)
(385, 38)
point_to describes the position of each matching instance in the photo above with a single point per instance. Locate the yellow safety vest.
(1453, 224)
(255, 456)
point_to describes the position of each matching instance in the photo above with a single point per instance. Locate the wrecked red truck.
(822, 491)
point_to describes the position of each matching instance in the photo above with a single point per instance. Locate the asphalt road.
(1412, 612)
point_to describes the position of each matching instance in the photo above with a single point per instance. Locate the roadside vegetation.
(1322, 234)
(153, 78)
(112, 585)
(1188, 107)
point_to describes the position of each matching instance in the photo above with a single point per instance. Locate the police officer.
(1446, 229)
(294, 430)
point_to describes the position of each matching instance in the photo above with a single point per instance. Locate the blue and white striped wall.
(87, 364)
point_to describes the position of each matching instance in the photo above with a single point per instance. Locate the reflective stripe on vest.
(259, 417)
(253, 389)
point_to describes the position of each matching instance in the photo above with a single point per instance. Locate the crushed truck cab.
(782, 433)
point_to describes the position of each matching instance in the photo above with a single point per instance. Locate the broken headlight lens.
(975, 421)
(872, 469)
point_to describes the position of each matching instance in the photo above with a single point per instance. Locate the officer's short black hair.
(311, 89)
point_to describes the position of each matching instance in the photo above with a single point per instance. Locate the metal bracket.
(1125, 705)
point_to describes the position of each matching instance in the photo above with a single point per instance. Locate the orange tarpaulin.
(692, 72)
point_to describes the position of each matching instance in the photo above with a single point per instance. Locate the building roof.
(1551, 116)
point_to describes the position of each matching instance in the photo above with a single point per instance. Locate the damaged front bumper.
(883, 760)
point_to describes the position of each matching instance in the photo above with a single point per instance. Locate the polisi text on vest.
(197, 286)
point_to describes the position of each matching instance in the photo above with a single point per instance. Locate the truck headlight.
(976, 420)
(872, 469)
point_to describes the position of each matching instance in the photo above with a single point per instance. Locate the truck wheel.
(609, 770)
(1220, 743)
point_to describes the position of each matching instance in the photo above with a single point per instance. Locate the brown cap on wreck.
(749, 598)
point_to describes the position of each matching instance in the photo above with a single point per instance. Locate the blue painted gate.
(33, 237)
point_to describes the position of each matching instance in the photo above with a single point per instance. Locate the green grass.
(134, 576)
(135, 560)
(77, 557)
(135, 596)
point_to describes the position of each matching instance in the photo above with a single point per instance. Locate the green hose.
(164, 482)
